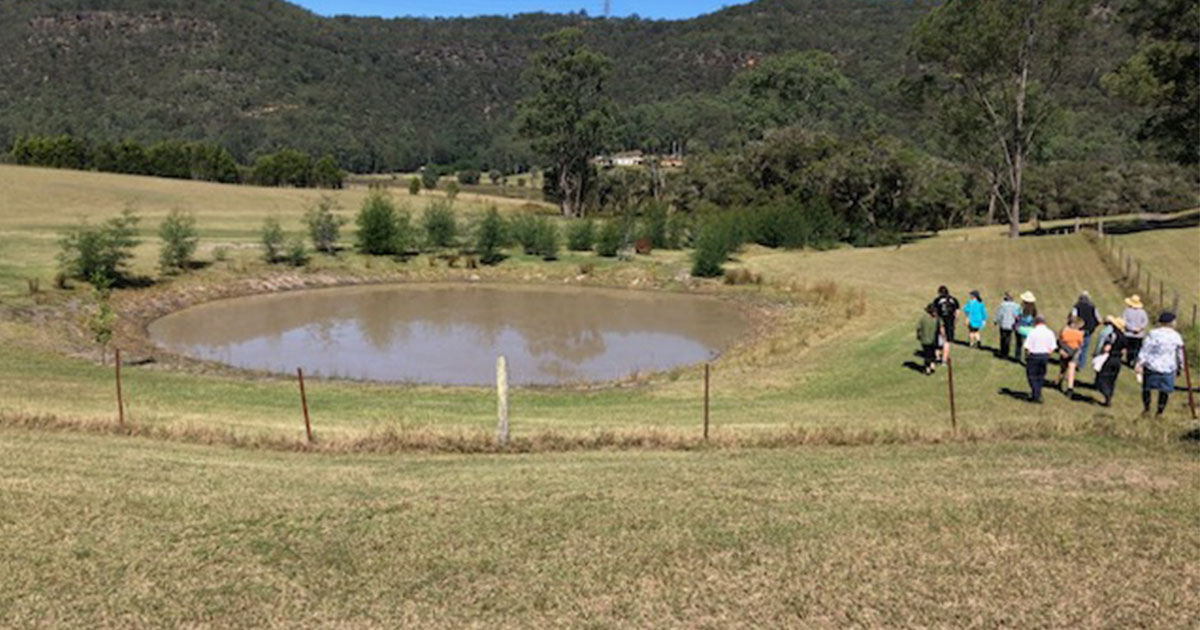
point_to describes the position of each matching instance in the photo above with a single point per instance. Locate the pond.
(452, 334)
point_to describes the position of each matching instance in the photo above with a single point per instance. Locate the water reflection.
(452, 334)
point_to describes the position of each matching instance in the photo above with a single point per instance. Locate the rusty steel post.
(304, 405)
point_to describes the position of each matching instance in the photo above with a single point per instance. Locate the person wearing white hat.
(1136, 323)
(1027, 319)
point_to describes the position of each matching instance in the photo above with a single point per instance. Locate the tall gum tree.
(569, 117)
(1003, 58)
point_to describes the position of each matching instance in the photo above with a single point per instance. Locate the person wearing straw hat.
(1110, 348)
(1159, 361)
(1136, 323)
(1026, 320)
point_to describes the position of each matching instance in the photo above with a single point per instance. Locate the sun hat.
(1028, 297)
(1118, 322)
(1134, 301)
(1166, 318)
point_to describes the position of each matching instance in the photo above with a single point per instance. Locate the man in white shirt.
(1159, 361)
(1039, 345)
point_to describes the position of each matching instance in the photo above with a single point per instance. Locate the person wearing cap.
(1039, 344)
(1136, 323)
(1086, 310)
(927, 336)
(1026, 320)
(977, 316)
(947, 307)
(1158, 361)
(1006, 321)
(1110, 346)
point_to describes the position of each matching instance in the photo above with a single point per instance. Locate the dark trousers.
(1005, 342)
(1133, 345)
(1035, 371)
(1017, 349)
(948, 323)
(1106, 381)
(930, 354)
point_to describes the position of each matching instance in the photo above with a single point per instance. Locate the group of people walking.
(1156, 354)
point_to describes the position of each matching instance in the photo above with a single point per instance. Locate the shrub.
(272, 238)
(90, 252)
(489, 238)
(324, 225)
(581, 235)
(654, 224)
(496, 177)
(452, 191)
(179, 240)
(382, 229)
(523, 229)
(719, 237)
(414, 186)
(296, 254)
(468, 177)
(679, 231)
(429, 177)
(439, 224)
(546, 239)
(611, 239)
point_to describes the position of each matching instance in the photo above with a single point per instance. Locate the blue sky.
(670, 9)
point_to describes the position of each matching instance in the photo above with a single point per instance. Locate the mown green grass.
(107, 532)
(838, 375)
(1172, 256)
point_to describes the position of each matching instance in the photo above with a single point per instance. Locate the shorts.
(974, 329)
(1159, 381)
(1070, 354)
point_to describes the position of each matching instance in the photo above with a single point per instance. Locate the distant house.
(628, 158)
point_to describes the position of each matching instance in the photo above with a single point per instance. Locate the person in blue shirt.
(1006, 320)
(976, 318)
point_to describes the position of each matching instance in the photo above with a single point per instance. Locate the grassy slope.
(1173, 255)
(36, 204)
(101, 532)
(852, 379)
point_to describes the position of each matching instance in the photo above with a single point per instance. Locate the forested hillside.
(259, 75)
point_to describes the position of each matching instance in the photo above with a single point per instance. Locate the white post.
(502, 401)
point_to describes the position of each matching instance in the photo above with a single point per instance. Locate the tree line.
(177, 159)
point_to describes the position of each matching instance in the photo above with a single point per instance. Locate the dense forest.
(770, 100)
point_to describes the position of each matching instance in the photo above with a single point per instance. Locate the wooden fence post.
(1187, 373)
(1162, 302)
(304, 405)
(707, 371)
(950, 383)
(502, 401)
(120, 397)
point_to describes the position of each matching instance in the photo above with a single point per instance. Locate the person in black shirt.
(946, 306)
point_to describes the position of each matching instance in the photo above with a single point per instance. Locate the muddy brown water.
(452, 334)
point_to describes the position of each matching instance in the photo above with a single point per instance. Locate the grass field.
(1063, 515)
(821, 374)
(105, 533)
(1169, 255)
